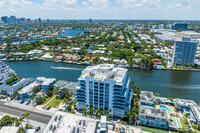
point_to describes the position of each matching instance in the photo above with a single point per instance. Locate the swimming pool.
(40, 96)
(164, 107)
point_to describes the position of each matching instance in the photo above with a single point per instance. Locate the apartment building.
(106, 87)
(184, 51)
(153, 117)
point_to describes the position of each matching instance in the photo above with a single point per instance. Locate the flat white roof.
(105, 71)
(70, 121)
(103, 119)
(29, 88)
(9, 129)
(46, 81)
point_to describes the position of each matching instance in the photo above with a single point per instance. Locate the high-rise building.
(5, 72)
(180, 26)
(184, 51)
(90, 20)
(21, 20)
(106, 87)
(4, 19)
(12, 19)
(28, 20)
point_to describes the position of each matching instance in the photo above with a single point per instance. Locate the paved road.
(44, 118)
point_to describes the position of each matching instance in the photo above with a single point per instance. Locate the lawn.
(184, 123)
(54, 103)
(48, 99)
(153, 130)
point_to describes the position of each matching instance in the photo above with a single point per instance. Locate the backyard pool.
(40, 96)
(164, 107)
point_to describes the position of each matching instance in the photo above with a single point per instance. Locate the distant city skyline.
(102, 9)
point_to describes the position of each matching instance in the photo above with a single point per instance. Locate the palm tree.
(17, 122)
(91, 110)
(65, 101)
(106, 113)
(97, 112)
(84, 112)
(21, 119)
(26, 114)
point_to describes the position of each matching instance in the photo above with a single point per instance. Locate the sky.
(102, 9)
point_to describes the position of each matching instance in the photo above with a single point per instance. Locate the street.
(39, 117)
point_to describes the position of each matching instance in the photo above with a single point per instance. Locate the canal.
(180, 84)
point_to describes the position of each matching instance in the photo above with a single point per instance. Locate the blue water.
(175, 84)
(164, 107)
(66, 33)
(72, 32)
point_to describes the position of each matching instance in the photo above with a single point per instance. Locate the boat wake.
(65, 68)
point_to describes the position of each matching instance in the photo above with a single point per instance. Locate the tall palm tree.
(84, 112)
(106, 113)
(26, 114)
(65, 101)
(97, 112)
(91, 110)
(21, 119)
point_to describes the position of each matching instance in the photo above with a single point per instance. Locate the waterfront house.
(46, 56)
(35, 53)
(70, 57)
(147, 99)
(152, 117)
(184, 104)
(195, 114)
(63, 85)
(10, 89)
(19, 55)
(59, 58)
(27, 91)
(45, 82)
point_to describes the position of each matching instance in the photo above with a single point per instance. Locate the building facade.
(195, 114)
(180, 26)
(184, 52)
(152, 117)
(106, 87)
(5, 72)
(147, 99)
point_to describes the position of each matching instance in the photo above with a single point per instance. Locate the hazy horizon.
(102, 9)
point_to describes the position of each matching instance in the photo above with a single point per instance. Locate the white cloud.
(131, 4)
(110, 9)
(99, 3)
(85, 3)
(182, 4)
(59, 2)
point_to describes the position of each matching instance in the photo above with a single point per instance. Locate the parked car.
(44, 107)
(27, 103)
(22, 101)
(34, 104)
(37, 128)
(48, 108)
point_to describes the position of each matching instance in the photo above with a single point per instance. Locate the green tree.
(84, 112)
(97, 112)
(198, 126)
(26, 114)
(91, 110)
